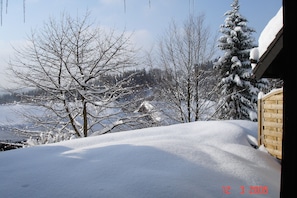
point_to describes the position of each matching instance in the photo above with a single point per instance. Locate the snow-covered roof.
(270, 37)
(270, 31)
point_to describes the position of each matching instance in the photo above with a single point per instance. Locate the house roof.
(270, 63)
(269, 50)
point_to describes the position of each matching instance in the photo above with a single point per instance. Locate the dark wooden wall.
(289, 165)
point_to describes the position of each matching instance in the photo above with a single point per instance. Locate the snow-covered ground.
(200, 159)
(161, 114)
(10, 117)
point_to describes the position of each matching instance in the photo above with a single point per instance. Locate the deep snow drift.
(201, 159)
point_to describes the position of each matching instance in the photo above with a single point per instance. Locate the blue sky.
(147, 18)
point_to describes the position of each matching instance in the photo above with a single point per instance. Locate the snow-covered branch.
(68, 61)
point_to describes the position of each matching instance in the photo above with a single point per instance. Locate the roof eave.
(268, 64)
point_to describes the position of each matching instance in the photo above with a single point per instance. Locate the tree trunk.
(85, 118)
(189, 99)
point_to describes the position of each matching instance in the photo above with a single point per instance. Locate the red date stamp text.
(263, 190)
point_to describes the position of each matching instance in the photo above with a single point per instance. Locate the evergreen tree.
(238, 91)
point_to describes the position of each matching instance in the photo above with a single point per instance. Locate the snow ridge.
(186, 160)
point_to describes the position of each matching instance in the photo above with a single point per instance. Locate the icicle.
(125, 6)
(24, 10)
(191, 7)
(1, 11)
(6, 6)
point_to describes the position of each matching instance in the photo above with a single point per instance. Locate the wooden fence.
(270, 122)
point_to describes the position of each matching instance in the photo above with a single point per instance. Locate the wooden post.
(260, 115)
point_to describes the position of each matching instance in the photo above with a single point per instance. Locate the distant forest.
(142, 79)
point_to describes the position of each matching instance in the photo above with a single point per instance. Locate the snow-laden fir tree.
(238, 90)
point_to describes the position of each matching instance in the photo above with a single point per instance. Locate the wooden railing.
(270, 122)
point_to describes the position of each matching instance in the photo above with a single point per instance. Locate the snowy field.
(200, 159)
(10, 117)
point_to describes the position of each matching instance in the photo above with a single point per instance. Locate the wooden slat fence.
(270, 122)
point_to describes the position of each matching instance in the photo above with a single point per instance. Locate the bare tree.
(182, 54)
(69, 60)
